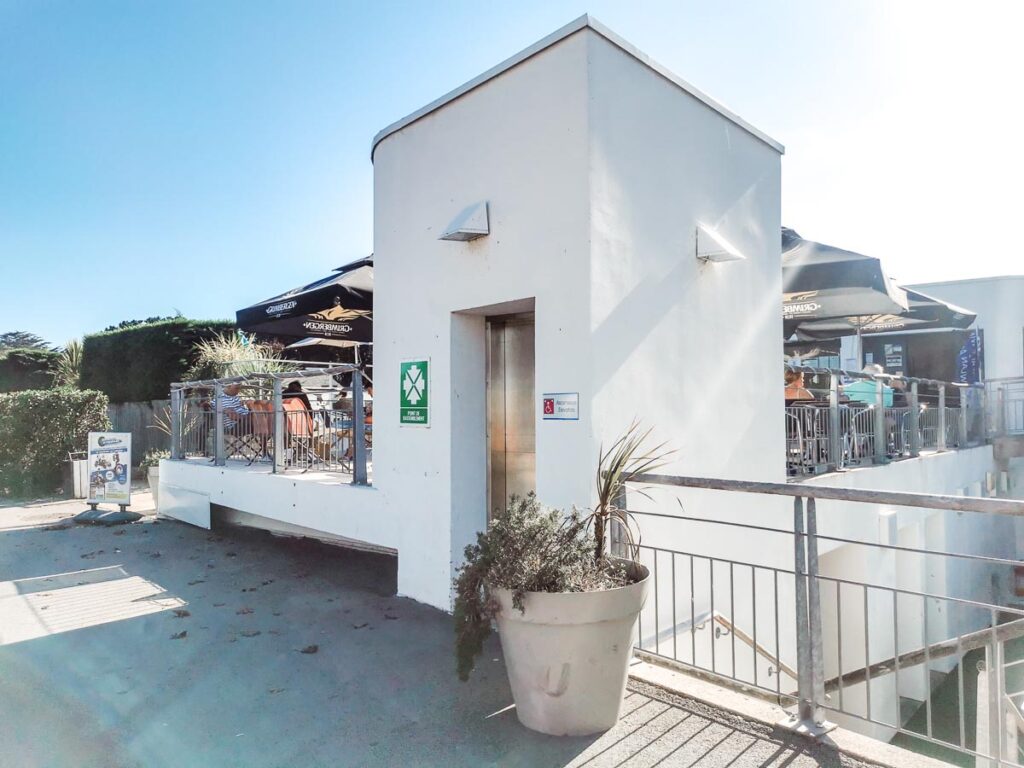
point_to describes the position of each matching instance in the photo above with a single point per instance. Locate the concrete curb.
(748, 707)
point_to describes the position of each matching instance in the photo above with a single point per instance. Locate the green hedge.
(140, 362)
(38, 428)
(27, 369)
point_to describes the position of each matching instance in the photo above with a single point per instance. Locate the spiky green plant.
(69, 365)
(190, 420)
(622, 463)
(234, 354)
(527, 548)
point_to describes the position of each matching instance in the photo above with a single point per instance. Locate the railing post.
(1000, 411)
(835, 440)
(814, 614)
(962, 443)
(358, 431)
(940, 439)
(810, 671)
(218, 427)
(881, 433)
(279, 428)
(176, 452)
(915, 420)
(617, 542)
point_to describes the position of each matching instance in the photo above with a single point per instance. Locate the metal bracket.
(809, 728)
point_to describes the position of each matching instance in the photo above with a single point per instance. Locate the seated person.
(294, 389)
(865, 390)
(232, 406)
(795, 389)
(900, 395)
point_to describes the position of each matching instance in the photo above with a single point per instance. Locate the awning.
(924, 313)
(313, 341)
(339, 306)
(821, 282)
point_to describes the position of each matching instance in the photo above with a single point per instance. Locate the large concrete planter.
(154, 486)
(568, 655)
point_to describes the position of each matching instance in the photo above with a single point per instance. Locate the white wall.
(691, 348)
(597, 170)
(316, 502)
(999, 303)
(520, 142)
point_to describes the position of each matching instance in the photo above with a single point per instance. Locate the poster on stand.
(110, 468)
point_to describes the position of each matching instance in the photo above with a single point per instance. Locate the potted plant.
(565, 608)
(151, 464)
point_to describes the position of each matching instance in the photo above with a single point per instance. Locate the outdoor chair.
(262, 428)
(858, 437)
(795, 455)
(300, 433)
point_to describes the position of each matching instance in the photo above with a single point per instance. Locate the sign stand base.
(96, 516)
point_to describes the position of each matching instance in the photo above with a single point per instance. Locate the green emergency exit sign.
(414, 393)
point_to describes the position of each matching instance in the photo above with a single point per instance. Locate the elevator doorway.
(511, 426)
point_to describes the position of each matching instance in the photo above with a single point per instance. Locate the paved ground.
(182, 647)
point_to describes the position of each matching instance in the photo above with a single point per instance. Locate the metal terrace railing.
(1007, 411)
(833, 432)
(866, 629)
(275, 427)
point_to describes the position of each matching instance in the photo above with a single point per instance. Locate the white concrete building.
(999, 302)
(597, 168)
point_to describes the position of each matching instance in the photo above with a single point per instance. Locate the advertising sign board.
(110, 467)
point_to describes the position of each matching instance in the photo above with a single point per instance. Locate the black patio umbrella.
(923, 313)
(822, 282)
(339, 306)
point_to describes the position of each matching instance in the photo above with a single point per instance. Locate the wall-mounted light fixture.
(471, 223)
(711, 246)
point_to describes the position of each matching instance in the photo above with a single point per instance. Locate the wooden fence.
(138, 418)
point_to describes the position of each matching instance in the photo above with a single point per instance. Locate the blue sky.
(200, 156)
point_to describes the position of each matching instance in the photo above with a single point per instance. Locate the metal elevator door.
(511, 429)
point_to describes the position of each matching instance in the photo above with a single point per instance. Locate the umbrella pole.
(355, 353)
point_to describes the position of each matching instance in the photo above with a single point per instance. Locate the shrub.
(527, 549)
(27, 369)
(139, 362)
(37, 430)
(152, 457)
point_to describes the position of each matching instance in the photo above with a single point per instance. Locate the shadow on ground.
(223, 679)
(237, 689)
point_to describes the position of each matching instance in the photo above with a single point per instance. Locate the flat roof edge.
(583, 22)
(967, 280)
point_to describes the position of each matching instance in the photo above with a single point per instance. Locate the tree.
(27, 369)
(21, 340)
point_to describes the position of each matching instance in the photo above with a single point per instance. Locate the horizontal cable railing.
(255, 419)
(910, 640)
